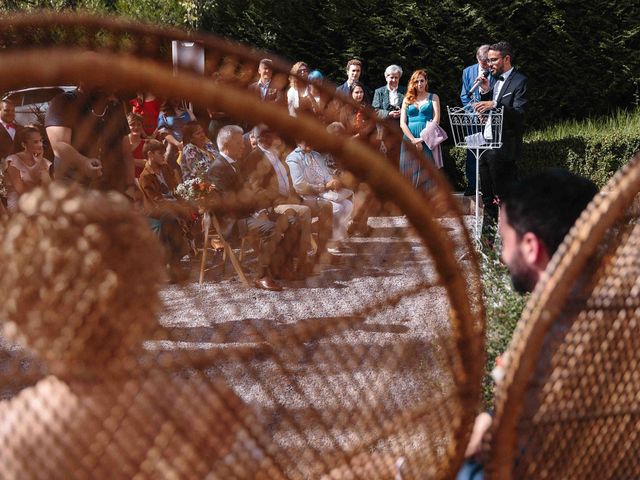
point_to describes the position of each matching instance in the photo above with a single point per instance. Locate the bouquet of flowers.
(194, 189)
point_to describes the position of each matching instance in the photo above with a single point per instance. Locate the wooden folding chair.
(209, 220)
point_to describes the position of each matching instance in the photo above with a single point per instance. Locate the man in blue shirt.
(469, 77)
(313, 181)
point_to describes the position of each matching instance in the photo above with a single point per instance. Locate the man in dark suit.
(469, 77)
(354, 69)
(270, 180)
(8, 129)
(278, 234)
(387, 101)
(263, 88)
(498, 166)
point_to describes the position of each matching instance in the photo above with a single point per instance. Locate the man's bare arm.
(69, 157)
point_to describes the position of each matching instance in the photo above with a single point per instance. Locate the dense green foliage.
(581, 57)
(503, 309)
(595, 148)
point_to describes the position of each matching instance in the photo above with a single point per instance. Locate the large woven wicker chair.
(384, 382)
(569, 406)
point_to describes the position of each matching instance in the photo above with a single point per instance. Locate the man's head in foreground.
(535, 215)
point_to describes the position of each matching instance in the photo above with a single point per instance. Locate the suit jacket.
(273, 94)
(469, 76)
(230, 182)
(263, 181)
(8, 145)
(153, 190)
(381, 101)
(513, 97)
(344, 89)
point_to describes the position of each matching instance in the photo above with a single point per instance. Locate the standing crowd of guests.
(285, 192)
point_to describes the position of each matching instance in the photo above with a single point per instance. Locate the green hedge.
(581, 57)
(593, 148)
(503, 307)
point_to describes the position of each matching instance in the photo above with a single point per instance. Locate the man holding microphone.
(470, 93)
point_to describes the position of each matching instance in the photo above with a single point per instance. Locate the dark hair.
(152, 145)
(547, 204)
(188, 130)
(504, 48)
(23, 133)
(356, 84)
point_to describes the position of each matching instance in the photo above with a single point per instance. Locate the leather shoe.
(267, 283)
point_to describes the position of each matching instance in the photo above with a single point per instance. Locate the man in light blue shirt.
(315, 183)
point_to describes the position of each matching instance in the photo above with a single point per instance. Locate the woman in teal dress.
(419, 107)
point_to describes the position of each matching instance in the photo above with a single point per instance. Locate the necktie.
(10, 125)
(500, 78)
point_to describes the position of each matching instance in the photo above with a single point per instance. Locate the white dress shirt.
(264, 88)
(281, 171)
(393, 96)
(497, 87)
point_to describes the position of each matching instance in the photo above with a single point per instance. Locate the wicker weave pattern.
(113, 407)
(569, 405)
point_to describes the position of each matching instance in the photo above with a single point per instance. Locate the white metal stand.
(477, 133)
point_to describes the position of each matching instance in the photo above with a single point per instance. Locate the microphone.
(476, 84)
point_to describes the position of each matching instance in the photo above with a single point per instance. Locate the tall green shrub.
(581, 57)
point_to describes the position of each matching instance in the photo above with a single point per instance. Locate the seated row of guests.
(266, 196)
(278, 232)
(270, 179)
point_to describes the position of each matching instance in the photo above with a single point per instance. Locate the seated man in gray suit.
(278, 234)
(270, 181)
(387, 101)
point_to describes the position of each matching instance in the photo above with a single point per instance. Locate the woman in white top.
(27, 169)
(297, 89)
